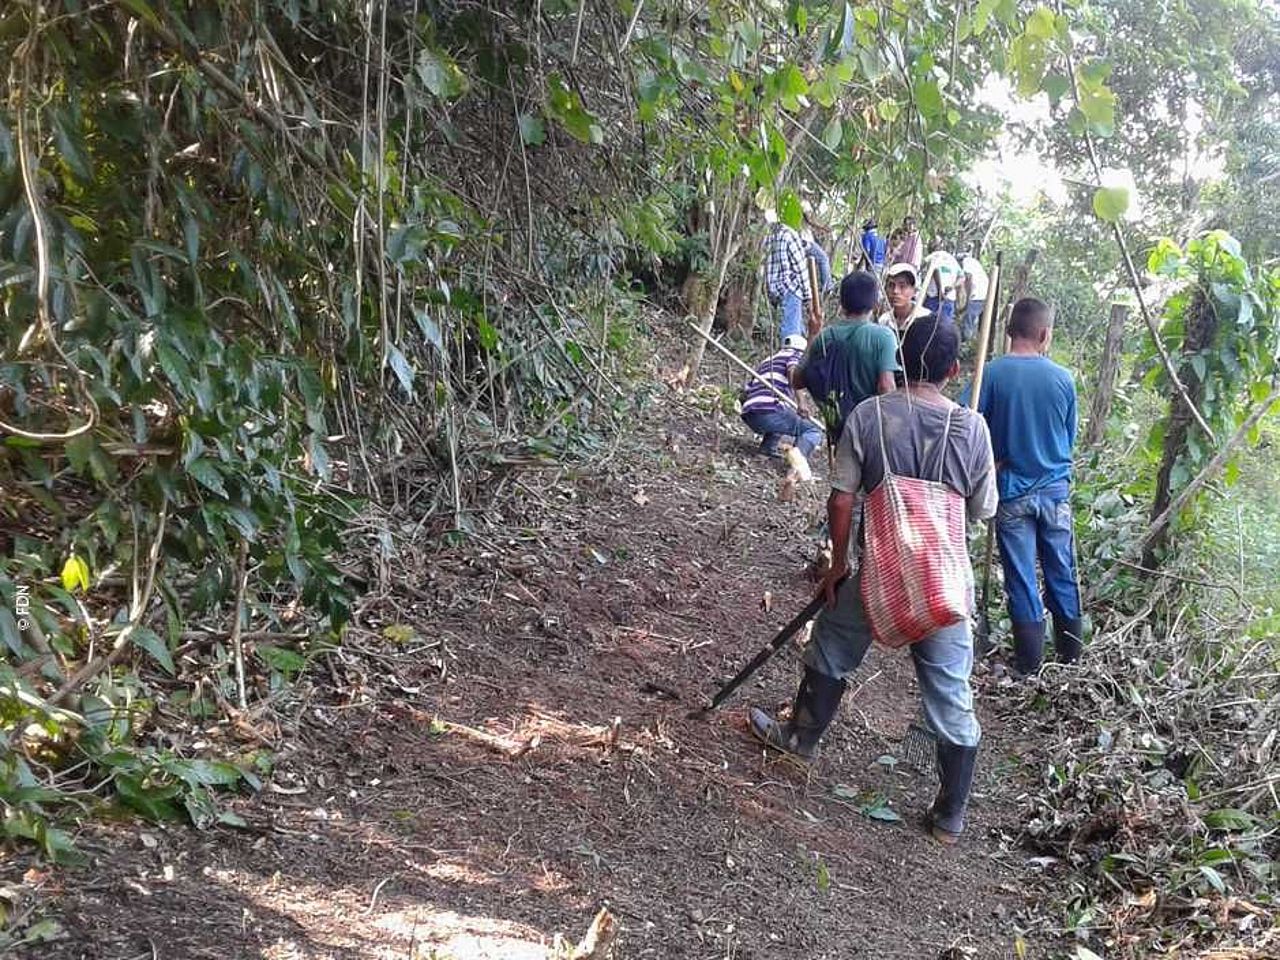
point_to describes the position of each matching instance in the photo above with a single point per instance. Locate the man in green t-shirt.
(851, 360)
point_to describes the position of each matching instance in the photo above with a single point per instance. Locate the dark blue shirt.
(1030, 406)
(874, 245)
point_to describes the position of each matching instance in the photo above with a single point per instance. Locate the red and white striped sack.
(916, 576)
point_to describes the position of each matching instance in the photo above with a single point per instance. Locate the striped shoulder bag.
(916, 576)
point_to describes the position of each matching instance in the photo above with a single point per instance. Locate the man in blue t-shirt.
(874, 247)
(1030, 405)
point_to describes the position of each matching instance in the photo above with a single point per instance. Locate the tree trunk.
(738, 305)
(1201, 330)
(709, 289)
(1105, 390)
(1021, 284)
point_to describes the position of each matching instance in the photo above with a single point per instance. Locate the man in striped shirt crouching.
(766, 412)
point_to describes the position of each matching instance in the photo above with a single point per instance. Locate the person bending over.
(770, 416)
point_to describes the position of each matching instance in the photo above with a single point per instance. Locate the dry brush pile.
(1158, 793)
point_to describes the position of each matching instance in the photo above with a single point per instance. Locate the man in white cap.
(773, 418)
(900, 282)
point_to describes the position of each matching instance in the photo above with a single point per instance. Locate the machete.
(764, 656)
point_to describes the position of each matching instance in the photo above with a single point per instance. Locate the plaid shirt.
(784, 264)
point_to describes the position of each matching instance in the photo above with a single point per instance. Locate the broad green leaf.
(1094, 72)
(888, 110)
(147, 639)
(842, 35)
(430, 329)
(1110, 203)
(143, 10)
(1098, 104)
(75, 573)
(440, 75)
(282, 659)
(208, 773)
(532, 130)
(982, 15)
(9, 632)
(206, 473)
(791, 83)
(888, 814)
(825, 91)
(69, 137)
(1166, 257)
(566, 107)
(789, 211)
(401, 368)
(1007, 12)
(844, 71)
(833, 134)
(1214, 878)
(1056, 86)
(928, 98)
(1041, 23)
(1229, 819)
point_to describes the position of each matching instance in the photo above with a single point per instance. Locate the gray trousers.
(943, 661)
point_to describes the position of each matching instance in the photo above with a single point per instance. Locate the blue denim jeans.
(943, 662)
(946, 311)
(791, 310)
(776, 424)
(972, 313)
(1039, 527)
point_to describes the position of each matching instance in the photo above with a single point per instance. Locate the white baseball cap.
(904, 267)
(795, 341)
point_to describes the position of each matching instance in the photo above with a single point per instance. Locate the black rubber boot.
(1028, 647)
(955, 770)
(815, 706)
(1068, 639)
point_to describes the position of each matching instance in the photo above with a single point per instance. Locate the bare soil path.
(514, 758)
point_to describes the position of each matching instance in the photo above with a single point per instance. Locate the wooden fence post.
(1108, 368)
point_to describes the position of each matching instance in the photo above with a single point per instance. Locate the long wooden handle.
(751, 373)
(984, 331)
(815, 292)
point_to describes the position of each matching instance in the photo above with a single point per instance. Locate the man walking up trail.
(769, 416)
(786, 278)
(944, 271)
(908, 249)
(976, 282)
(850, 360)
(900, 282)
(924, 435)
(1030, 405)
(874, 247)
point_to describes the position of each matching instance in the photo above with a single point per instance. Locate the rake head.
(919, 747)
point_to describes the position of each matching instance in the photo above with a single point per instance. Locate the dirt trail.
(602, 597)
